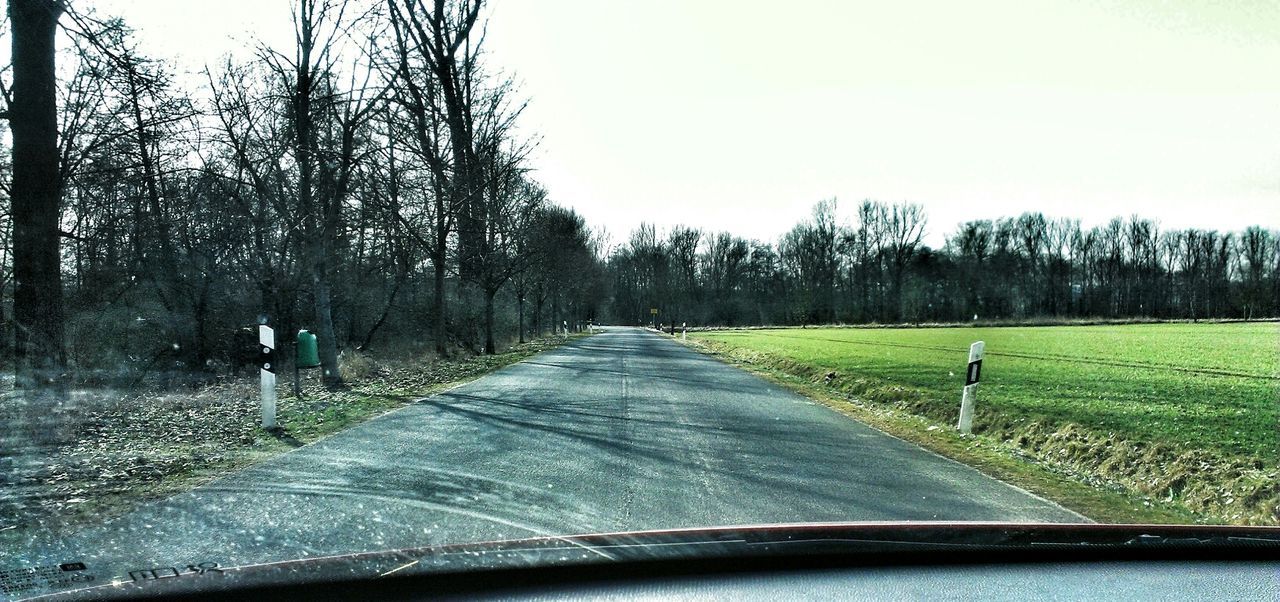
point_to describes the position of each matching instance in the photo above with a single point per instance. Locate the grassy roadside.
(1098, 500)
(126, 450)
(991, 323)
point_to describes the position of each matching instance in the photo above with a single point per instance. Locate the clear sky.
(739, 115)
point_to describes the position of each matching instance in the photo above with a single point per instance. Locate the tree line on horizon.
(875, 268)
(370, 183)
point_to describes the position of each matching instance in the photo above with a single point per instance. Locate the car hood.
(742, 547)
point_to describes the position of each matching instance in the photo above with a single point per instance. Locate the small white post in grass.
(684, 331)
(267, 339)
(971, 376)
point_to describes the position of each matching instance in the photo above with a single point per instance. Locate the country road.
(623, 430)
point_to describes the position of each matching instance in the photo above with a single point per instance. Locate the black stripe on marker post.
(974, 373)
(268, 359)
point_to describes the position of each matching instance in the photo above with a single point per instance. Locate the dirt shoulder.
(103, 452)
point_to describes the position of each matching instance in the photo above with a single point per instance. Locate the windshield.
(287, 280)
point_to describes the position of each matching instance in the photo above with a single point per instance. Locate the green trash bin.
(308, 351)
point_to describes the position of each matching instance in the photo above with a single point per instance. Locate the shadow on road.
(760, 457)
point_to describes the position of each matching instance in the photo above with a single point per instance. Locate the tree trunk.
(467, 179)
(489, 347)
(555, 313)
(520, 322)
(439, 332)
(316, 234)
(39, 349)
(150, 176)
(200, 313)
(537, 316)
(897, 293)
(325, 340)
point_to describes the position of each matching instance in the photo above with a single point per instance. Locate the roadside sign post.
(653, 311)
(973, 372)
(267, 341)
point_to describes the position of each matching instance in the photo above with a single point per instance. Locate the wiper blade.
(1217, 540)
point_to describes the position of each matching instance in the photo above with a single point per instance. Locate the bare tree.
(903, 230)
(862, 244)
(809, 253)
(972, 248)
(36, 193)
(323, 125)
(682, 250)
(725, 264)
(438, 35)
(1256, 249)
(511, 208)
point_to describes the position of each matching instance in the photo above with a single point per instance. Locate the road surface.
(623, 430)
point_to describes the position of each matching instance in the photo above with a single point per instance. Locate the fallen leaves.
(104, 443)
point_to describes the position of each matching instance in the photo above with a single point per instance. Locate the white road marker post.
(684, 331)
(267, 340)
(971, 376)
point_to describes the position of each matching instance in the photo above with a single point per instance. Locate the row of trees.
(367, 183)
(874, 267)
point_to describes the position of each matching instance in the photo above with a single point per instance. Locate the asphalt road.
(620, 431)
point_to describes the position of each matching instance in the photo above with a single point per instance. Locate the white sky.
(738, 115)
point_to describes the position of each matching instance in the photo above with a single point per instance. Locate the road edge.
(991, 458)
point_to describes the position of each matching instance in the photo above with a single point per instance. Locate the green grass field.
(1212, 387)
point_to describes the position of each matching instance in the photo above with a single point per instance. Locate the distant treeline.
(874, 267)
(368, 182)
